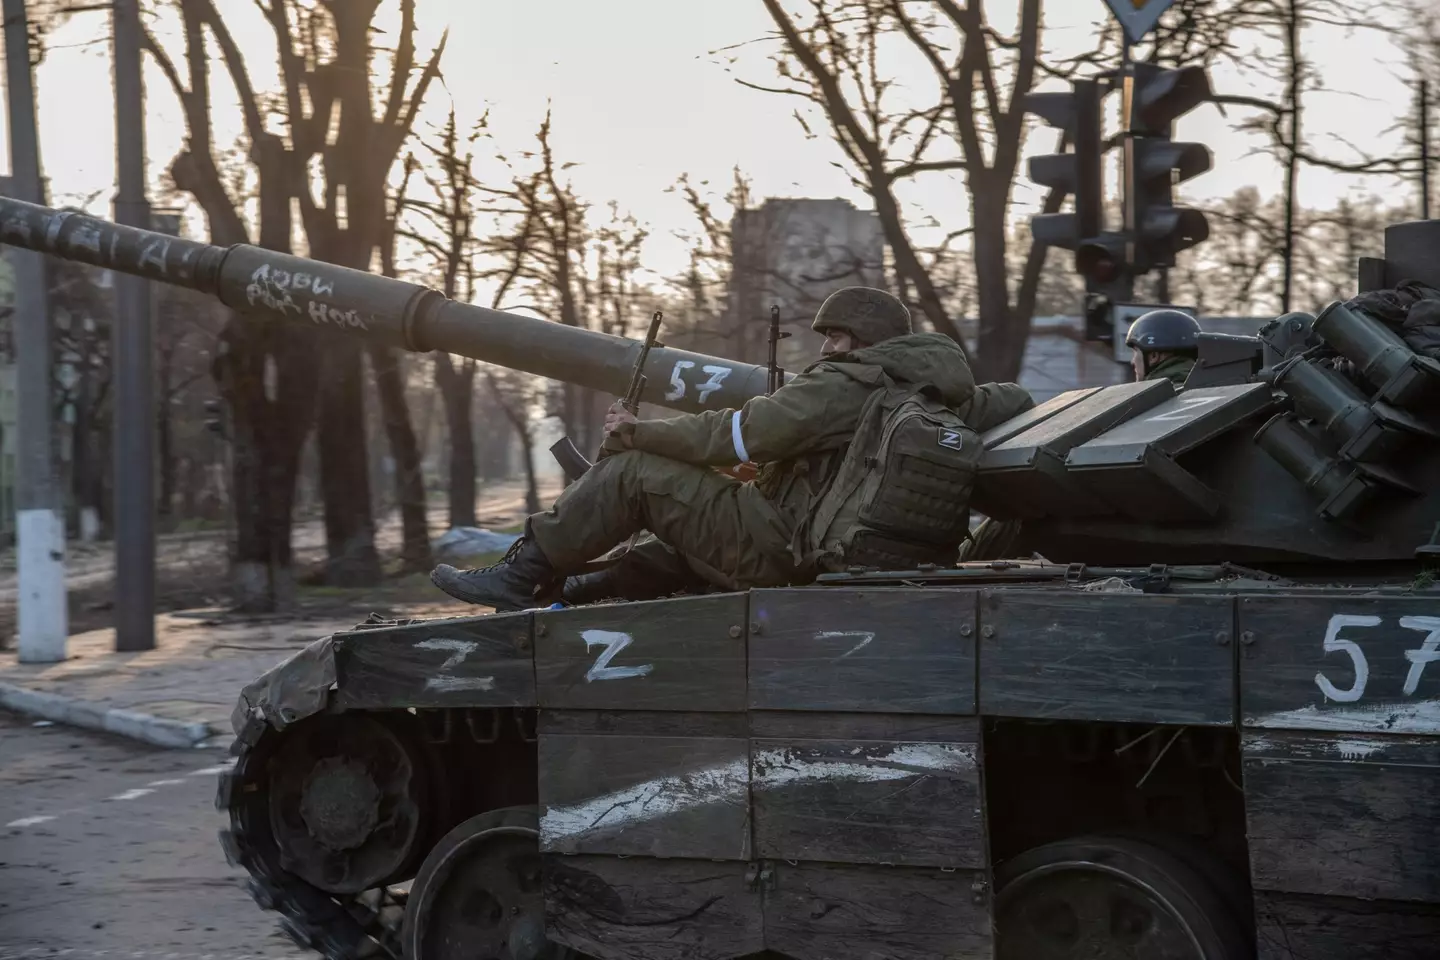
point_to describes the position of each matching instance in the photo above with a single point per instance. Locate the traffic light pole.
(1127, 149)
(134, 419)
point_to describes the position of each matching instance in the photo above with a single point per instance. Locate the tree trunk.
(164, 435)
(405, 449)
(81, 487)
(592, 415)
(351, 559)
(267, 375)
(907, 263)
(493, 445)
(527, 450)
(570, 412)
(165, 444)
(262, 476)
(995, 357)
(457, 390)
(1292, 158)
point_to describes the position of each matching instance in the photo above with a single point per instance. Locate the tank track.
(364, 926)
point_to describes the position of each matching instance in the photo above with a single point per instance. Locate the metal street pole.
(131, 349)
(1127, 151)
(40, 528)
(1424, 150)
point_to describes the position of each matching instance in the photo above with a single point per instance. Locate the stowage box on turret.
(1208, 727)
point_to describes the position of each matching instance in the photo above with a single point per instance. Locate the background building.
(795, 253)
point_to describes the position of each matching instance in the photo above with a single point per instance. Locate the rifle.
(571, 460)
(747, 471)
(777, 375)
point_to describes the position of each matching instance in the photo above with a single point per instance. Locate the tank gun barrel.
(290, 289)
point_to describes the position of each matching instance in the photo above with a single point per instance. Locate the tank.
(1194, 715)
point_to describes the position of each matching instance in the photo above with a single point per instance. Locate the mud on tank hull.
(1014, 760)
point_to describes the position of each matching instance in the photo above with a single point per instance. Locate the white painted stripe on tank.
(666, 796)
(1422, 717)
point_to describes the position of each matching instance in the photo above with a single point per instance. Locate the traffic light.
(1156, 164)
(1109, 280)
(1077, 173)
(215, 412)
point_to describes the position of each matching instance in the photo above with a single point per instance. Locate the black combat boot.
(512, 584)
(593, 587)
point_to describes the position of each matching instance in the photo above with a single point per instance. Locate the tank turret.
(290, 289)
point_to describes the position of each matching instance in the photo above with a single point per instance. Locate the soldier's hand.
(744, 472)
(616, 415)
(617, 439)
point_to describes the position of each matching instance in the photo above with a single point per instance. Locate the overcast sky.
(638, 100)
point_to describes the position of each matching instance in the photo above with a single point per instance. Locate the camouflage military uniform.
(1175, 369)
(734, 534)
(658, 476)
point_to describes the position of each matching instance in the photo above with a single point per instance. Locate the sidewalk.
(181, 693)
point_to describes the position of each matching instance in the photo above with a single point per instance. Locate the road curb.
(145, 727)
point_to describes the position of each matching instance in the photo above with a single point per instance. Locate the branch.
(235, 64)
(395, 135)
(764, 89)
(404, 61)
(971, 24)
(166, 65)
(932, 166)
(957, 84)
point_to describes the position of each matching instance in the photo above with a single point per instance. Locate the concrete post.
(40, 527)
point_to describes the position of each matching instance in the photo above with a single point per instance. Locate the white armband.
(736, 439)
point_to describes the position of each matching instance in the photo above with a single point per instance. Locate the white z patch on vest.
(737, 440)
(951, 439)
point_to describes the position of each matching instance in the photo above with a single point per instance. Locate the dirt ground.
(192, 567)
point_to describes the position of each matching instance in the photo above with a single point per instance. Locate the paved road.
(108, 851)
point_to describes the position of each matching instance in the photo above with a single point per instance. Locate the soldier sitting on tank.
(1165, 345)
(659, 476)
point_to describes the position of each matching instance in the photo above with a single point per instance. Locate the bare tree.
(267, 371)
(1420, 45)
(1336, 239)
(186, 334)
(1237, 270)
(833, 60)
(543, 245)
(516, 393)
(617, 264)
(447, 236)
(81, 316)
(1207, 31)
(706, 284)
(388, 366)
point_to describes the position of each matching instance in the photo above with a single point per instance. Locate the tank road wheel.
(478, 894)
(1110, 898)
(348, 799)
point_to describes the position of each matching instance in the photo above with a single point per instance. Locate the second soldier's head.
(856, 317)
(1159, 335)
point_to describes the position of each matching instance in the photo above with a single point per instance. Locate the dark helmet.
(867, 314)
(1168, 331)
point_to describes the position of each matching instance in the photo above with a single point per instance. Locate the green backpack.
(901, 494)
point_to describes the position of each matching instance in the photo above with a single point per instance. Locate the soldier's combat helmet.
(867, 314)
(1167, 331)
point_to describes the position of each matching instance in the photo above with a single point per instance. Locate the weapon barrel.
(290, 289)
